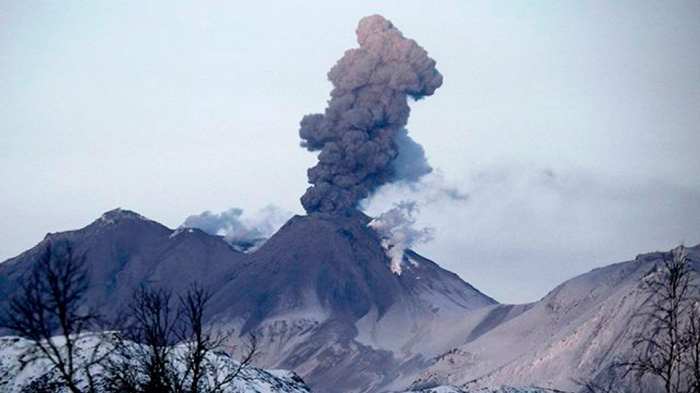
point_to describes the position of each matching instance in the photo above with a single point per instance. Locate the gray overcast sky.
(573, 127)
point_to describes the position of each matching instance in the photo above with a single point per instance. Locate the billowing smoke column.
(361, 134)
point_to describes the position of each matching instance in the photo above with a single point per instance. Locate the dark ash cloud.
(361, 136)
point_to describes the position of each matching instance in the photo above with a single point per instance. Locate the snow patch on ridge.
(179, 231)
(118, 214)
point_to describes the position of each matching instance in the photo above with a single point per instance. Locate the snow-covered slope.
(572, 334)
(15, 378)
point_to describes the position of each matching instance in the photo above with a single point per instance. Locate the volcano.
(322, 296)
(336, 266)
(319, 294)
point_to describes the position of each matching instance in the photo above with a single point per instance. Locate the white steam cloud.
(245, 234)
(398, 232)
(431, 192)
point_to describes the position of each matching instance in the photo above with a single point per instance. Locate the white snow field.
(15, 378)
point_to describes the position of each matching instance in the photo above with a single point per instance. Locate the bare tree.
(205, 371)
(49, 310)
(198, 339)
(661, 346)
(691, 345)
(143, 362)
(150, 361)
(668, 349)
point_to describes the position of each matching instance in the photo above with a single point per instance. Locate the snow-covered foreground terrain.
(15, 378)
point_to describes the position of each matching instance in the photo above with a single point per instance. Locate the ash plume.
(398, 232)
(361, 136)
(243, 234)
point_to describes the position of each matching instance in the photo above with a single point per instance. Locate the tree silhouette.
(662, 346)
(148, 359)
(49, 310)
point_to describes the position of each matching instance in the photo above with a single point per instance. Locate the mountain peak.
(120, 214)
(106, 220)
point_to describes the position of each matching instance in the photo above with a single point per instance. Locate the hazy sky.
(572, 127)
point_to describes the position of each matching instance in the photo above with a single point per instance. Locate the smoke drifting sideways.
(398, 223)
(361, 136)
(242, 234)
(398, 232)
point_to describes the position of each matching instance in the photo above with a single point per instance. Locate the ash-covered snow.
(575, 333)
